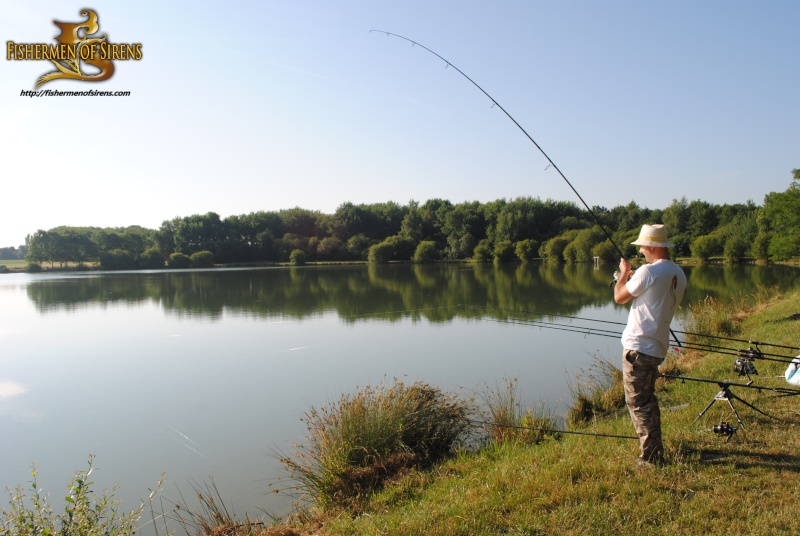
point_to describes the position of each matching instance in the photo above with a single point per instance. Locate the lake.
(205, 374)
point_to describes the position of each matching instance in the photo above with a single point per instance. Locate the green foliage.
(297, 257)
(482, 252)
(355, 444)
(85, 513)
(150, 259)
(329, 248)
(553, 249)
(508, 419)
(117, 259)
(381, 253)
(358, 246)
(707, 246)
(403, 247)
(596, 391)
(426, 252)
(179, 260)
(503, 251)
(456, 229)
(781, 216)
(760, 248)
(202, 259)
(527, 250)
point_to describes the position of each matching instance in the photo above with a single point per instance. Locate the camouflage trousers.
(639, 374)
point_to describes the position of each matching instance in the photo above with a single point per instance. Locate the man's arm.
(621, 294)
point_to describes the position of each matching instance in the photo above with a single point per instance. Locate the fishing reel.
(724, 429)
(616, 277)
(745, 361)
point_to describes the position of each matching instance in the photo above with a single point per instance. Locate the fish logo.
(75, 36)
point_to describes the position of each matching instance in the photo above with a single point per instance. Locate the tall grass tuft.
(596, 391)
(213, 517)
(357, 443)
(711, 317)
(84, 512)
(508, 419)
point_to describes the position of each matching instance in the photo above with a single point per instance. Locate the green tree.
(707, 246)
(202, 259)
(297, 257)
(150, 259)
(527, 250)
(117, 259)
(179, 260)
(503, 251)
(464, 225)
(781, 215)
(200, 233)
(426, 251)
(482, 252)
(381, 253)
(553, 249)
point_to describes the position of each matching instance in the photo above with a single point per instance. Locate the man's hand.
(621, 294)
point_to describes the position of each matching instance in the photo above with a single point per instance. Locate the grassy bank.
(746, 483)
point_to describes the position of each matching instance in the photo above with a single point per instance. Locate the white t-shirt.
(657, 290)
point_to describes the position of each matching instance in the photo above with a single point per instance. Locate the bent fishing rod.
(495, 103)
(550, 160)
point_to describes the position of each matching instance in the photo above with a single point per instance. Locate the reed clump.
(508, 419)
(356, 444)
(596, 391)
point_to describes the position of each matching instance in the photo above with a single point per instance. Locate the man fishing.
(655, 290)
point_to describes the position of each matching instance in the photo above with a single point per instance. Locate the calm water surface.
(204, 374)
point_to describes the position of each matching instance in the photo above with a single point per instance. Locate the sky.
(245, 106)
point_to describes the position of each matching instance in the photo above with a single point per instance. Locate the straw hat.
(653, 236)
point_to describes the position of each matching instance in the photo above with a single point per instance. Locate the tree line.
(523, 228)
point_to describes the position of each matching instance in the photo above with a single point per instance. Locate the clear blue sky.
(241, 106)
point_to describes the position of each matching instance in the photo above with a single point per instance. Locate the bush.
(117, 259)
(482, 252)
(504, 251)
(33, 268)
(202, 259)
(84, 512)
(404, 247)
(526, 250)
(179, 260)
(150, 259)
(508, 420)
(736, 249)
(426, 252)
(355, 444)
(553, 249)
(297, 257)
(381, 253)
(706, 246)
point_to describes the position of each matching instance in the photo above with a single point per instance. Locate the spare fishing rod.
(755, 353)
(549, 430)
